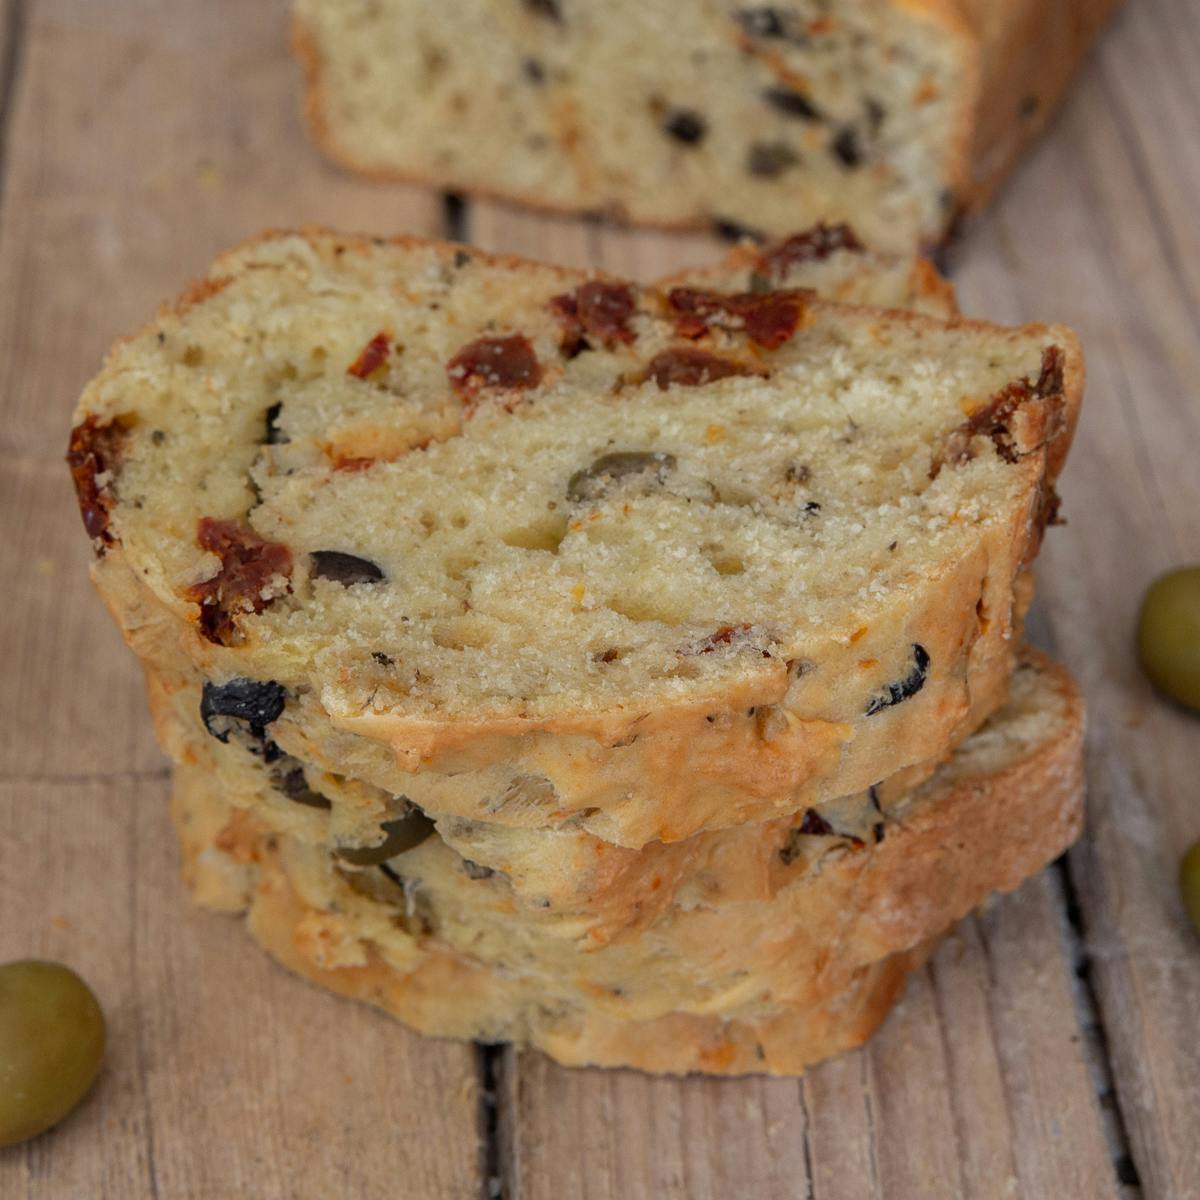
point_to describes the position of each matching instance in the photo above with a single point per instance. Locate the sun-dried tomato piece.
(726, 635)
(813, 245)
(371, 357)
(1050, 377)
(686, 366)
(769, 318)
(599, 309)
(722, 637)
(93, 454)
(995, 417)
(249, 564)
(507, 363)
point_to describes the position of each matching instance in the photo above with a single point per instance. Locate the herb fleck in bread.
(889, 113)
(496, 532)
(781, 945)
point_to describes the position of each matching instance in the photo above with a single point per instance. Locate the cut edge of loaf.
(1024, 59)
(956, 156)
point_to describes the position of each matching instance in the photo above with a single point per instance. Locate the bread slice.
(522, 544)
(835, 262)
(731, 976)
(893, 114)
(559, 875)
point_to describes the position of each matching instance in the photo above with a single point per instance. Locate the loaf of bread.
(894, 114)
(532, 546)
(778, 946)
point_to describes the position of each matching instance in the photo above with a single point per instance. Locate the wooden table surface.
(1049, 1051)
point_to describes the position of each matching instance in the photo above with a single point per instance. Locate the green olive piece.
(399, 835)
(51, 1046)
(591, 483)
(1169, 635)
(1189, 883)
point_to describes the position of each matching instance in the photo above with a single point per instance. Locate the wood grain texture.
(1052, 1037)
(224, 1076)
(1093, 230)
(131, 159)
(977, 1086)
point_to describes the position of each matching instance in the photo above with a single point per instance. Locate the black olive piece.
(250, 701)
(346, 569)
(769, 159)
(734, 231)
(763, 22)
(847, 148)
(545, 8)
(293, 784)
(274, 435)
(590, 483)
(792, 103)
(877, 829)
(815, 824)
(399, 835)
(686, 126)
(902, 689)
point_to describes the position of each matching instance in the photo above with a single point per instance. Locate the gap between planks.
(12, 29)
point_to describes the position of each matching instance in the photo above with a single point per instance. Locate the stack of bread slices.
(633, 672)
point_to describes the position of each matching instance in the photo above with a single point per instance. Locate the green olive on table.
(51, 1044)
(1168, 637)
(1189, 883)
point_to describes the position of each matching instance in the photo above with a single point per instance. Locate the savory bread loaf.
(530, 545)
(893, 114)
(779, 946)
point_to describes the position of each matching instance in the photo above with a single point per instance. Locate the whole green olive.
(51, 1045)
(1189, 883)
(1168, 636)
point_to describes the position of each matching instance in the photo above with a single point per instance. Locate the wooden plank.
(977, 1086)
(1088, 233)
(642, 254)
(621, 1135)
(509, 230)
(72, 698)
(146, 138)
(224, 1076)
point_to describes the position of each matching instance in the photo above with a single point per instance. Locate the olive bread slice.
(768, 930)
(480, 530)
